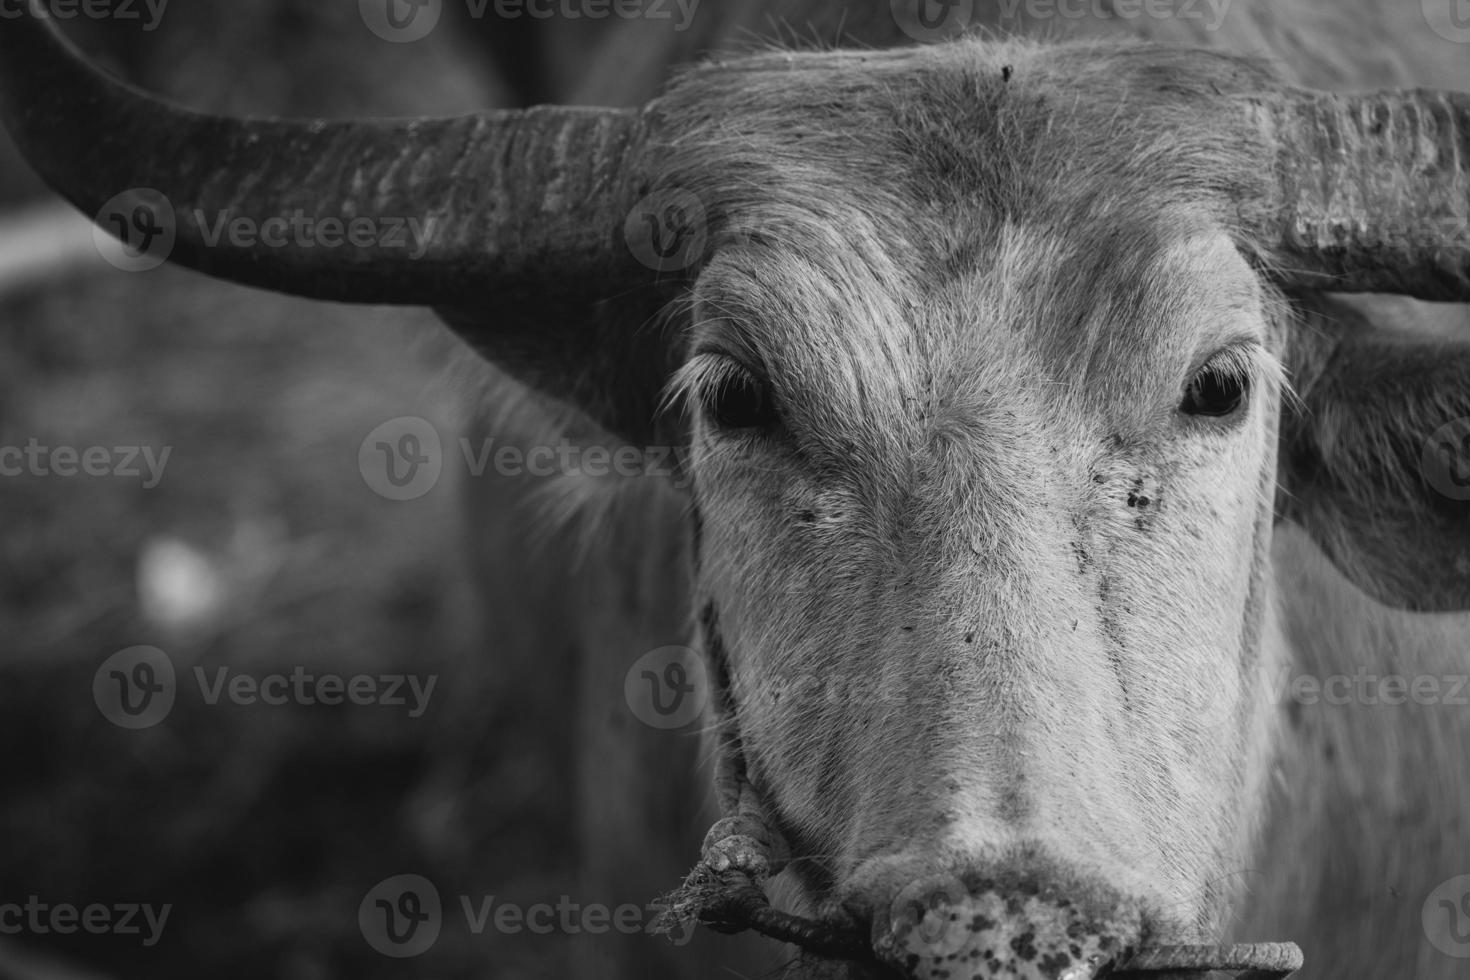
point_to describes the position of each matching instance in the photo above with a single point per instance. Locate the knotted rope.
(742, 850)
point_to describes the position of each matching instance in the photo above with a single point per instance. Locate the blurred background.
(261, 549)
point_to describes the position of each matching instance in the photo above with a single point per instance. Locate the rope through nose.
(1247, 961)
(725, 892)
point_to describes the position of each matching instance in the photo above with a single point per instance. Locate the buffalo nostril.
(939, 929)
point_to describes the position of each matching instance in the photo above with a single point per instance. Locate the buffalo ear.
(1375, 456)
(610, 361)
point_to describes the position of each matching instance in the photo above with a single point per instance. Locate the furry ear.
(611, 362)
(1375, 457)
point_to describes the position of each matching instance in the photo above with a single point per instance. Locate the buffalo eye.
(1217, 389)
(739, 400)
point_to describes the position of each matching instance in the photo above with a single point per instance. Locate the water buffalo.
(1033, 449)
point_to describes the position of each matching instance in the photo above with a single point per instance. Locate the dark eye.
(1218, 389)
(738, 400)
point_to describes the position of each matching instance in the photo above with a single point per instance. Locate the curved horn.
(459, 208)
(1374, 191)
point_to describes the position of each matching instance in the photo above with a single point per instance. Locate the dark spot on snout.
(1006, 73)
(1014, 925)
(1055, 963)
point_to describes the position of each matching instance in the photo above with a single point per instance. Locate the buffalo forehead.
(938, 235)
(1097, 327)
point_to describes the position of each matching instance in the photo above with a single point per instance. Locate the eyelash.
(737, 400)
(732, 397)
(1220, 388)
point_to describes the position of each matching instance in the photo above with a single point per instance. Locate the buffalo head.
(996, 366)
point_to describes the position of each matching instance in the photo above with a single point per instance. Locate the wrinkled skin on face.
(989, 589)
